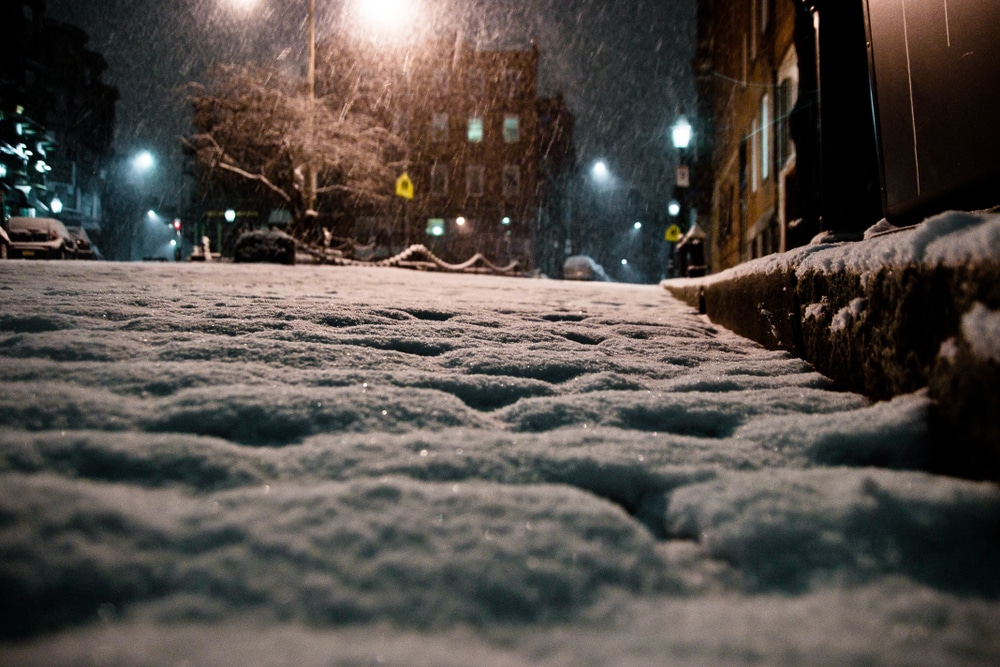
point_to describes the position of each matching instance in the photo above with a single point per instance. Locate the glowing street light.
(637, 226)
(600, 170)
(681, 133)
(386, 15)
(674, 208)
(143, 161)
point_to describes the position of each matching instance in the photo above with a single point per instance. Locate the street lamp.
(143, 161)
(681, 133)
(600, 171)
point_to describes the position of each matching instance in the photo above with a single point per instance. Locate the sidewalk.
(902, 310)
(228, 464)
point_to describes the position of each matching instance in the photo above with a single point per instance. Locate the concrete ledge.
(886, 316)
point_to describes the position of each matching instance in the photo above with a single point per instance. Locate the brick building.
(490, 162)
(748, 79)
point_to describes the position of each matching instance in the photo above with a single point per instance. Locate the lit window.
(475, 178)
(435, 227)
(476, 129)
(439, 127)
(439, 179)
(511, 128)
(511, 181)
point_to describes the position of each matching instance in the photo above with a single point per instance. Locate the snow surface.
(217, 464)
(952, 239)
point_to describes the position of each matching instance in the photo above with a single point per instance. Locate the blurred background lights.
(143, 161)
(384, 13)
(637, 226)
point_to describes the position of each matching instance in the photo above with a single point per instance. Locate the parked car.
(4, 244)
(40, 238)
(582, 267)
(85, 249)
(265, 246)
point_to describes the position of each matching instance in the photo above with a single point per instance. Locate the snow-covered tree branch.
(260, 126)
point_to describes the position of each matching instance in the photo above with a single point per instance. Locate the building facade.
(56, 118)
(471, 122)
(747, 74)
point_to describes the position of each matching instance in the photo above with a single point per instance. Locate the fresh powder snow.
(219, 464)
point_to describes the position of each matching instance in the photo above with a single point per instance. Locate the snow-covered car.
(85, 248)
(265, 246)
(40, 238)
(4, 244)
(582, 267)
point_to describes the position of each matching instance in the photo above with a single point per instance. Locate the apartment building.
(470, 120)
(56, 118)
(747, 73)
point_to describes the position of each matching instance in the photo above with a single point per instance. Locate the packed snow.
(219, 464)
(953, 238)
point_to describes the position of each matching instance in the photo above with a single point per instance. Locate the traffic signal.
(177, 225)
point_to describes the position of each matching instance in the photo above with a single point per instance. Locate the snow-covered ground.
(224, 464)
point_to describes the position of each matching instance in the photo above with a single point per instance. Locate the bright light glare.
(151, 214)
(56, 205)
(460, 221)
(385, 14)
(637, 225)
(624, 262)
(681, 133)
(674, 208)
(600, 170)
(245, 5)
(143, 161)
(230, 215)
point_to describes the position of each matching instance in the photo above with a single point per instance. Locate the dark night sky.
(623, 65)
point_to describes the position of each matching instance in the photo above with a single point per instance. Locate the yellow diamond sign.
(404, 187)
(674, 234)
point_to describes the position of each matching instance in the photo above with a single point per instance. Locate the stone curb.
(882, 333)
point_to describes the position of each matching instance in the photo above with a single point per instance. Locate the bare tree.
(260, 126)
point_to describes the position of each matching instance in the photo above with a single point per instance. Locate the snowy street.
(227, 464)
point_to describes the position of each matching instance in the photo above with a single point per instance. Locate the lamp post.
(681, 134)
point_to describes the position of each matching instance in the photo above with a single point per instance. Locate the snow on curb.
(885, 316)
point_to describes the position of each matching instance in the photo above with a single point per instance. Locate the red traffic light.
(177, 224)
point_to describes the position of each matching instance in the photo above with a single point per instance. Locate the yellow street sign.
(404, 187)
(674, 234)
